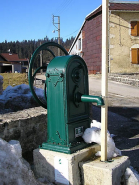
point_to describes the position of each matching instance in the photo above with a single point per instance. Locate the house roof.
(113, 6)
(11, 57)
(125, 6)
(132, 6)
(93, 13)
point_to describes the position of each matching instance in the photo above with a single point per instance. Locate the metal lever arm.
(88, 98)
(94, 99)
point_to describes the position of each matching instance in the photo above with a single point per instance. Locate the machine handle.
(94, 99)
(88, 98)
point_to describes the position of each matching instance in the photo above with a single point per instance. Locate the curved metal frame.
(31, 77)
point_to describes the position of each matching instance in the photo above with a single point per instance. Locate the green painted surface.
(93, 99)
(67, 101)
(66, 75)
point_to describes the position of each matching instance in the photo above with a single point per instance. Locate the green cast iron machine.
(67, 98)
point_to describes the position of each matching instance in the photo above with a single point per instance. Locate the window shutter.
(134, 28)
(138, 28)
(134, 55)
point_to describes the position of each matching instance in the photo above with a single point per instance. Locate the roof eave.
(4, 57)
(81, 28)
(133, 11)
(94, 12)
(90, 14)
(76, 37)
(126, 2)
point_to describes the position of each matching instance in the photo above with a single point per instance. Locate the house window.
(135, 28)
(135, 55)
(79, 44)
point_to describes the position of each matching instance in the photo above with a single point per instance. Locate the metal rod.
(58, 34)
(58, 29)
(104, 81)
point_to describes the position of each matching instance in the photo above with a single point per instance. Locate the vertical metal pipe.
(58, 34)
(58, 29)
(104, 81)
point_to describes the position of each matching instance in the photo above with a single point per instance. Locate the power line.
(50, 22)
(71, 33)
(61, 8)
(64, 6)
(57, 8)
(49, 25)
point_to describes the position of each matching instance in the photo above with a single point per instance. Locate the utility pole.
(58, 29)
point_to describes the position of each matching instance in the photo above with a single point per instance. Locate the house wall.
(17, 67)
(1, 59)
(121, 42)
(1, 64)
(76, 50)
(91, 44)
(10, 67)
(5, 67)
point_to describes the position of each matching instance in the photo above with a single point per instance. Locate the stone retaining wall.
(28, 126)
(132, 79)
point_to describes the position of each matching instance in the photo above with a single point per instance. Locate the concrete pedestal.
(104, 173)
(60, 167)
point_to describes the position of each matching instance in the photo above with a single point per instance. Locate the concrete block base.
(104, 173)
(49, 164)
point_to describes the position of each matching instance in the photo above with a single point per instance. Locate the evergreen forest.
(26, 48)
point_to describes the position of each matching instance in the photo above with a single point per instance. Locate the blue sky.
(32, 19)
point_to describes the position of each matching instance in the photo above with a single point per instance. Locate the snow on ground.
(93, 134)
(13, 168)
(131, 176)
(1, 77)
(19, 97)
(22, 90)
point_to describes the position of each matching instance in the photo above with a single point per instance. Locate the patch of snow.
(113, 135)
(19, 97)
(95, 123)
(44, 180)
(93, 134)
(16, 148)
(13, 168)
(131, 176)
(22, 90)
(1, 77)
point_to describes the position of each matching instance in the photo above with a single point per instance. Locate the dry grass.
(14, 79)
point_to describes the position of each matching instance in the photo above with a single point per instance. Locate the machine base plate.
(64, 149)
